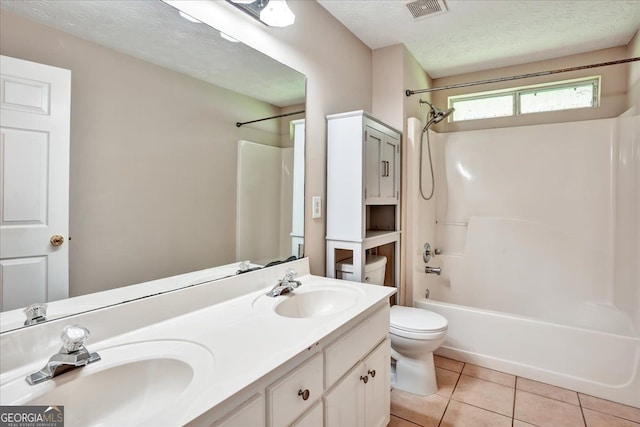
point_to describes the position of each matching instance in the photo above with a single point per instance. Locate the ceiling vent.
(422, 8)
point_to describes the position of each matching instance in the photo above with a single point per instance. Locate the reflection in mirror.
(160, 188)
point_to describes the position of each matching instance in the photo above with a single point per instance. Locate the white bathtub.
(600, 364)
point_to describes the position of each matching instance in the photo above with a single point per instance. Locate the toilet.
(415, 334)
(374, 268)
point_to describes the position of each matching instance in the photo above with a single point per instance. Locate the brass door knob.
(56, 240)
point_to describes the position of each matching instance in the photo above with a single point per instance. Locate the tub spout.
(432, 270)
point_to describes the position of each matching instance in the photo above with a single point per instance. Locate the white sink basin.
(312, 301)
(144, 383)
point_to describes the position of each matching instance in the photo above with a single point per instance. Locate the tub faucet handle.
(427, 253)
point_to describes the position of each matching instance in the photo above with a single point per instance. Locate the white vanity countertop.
(242, 338)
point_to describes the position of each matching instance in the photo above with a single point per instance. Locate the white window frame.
(516, 92)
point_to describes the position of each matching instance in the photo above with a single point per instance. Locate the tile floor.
(473, 396)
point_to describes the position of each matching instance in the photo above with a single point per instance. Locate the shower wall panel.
(532, 221)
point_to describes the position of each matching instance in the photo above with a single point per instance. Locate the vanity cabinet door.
(295, 393)
(362, 397)
(344, 405)
(250, 413)
(377, 390)
(313, 418)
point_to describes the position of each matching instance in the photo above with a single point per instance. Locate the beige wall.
(338, 70)
(153, 160)
(613, 100)
(394, 71)
(387, 74)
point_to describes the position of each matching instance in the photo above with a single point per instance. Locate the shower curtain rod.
(409, 92)
(238, 124)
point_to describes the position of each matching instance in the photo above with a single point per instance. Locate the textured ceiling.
(153, 31)
(475, 35)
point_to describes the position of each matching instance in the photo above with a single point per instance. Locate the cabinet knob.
(364, 379)
(372, 372)
(304, 393)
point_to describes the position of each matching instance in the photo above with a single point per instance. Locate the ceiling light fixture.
(274, 13)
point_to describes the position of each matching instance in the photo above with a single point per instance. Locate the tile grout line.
(513, 409)
(582, 408)
(480, 407)
(584, 419)
(450, 397)
(404, 419)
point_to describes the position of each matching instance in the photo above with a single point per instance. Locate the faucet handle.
(35, 313)
(290, 274)
(244, 266)
(73, 337)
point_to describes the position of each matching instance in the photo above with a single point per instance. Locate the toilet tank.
(374, 269)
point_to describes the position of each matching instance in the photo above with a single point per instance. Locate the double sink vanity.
(222, 353)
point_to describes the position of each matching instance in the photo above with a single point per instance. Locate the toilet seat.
(415, 321)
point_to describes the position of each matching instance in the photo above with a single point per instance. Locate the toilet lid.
(413, 319)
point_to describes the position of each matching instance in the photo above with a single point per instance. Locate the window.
(581, 93)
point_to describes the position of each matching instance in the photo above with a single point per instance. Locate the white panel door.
(35, 104)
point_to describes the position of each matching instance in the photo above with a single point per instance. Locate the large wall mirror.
(161, 180)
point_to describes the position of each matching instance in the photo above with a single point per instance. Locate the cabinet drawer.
(294, 393)
(353, 346)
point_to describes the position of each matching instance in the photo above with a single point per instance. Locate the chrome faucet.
(286, 285)
(73, 354)
(432, 270)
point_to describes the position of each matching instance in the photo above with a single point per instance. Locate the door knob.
(56, 240)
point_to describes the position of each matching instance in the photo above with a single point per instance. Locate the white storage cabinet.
(363, 190)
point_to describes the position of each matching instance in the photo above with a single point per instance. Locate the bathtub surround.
(539, 238)
(263, 210)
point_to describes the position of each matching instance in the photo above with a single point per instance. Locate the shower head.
(436, 114)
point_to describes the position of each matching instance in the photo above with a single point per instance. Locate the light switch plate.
(316, 206)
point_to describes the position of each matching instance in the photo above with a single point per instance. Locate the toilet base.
(417, 376)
